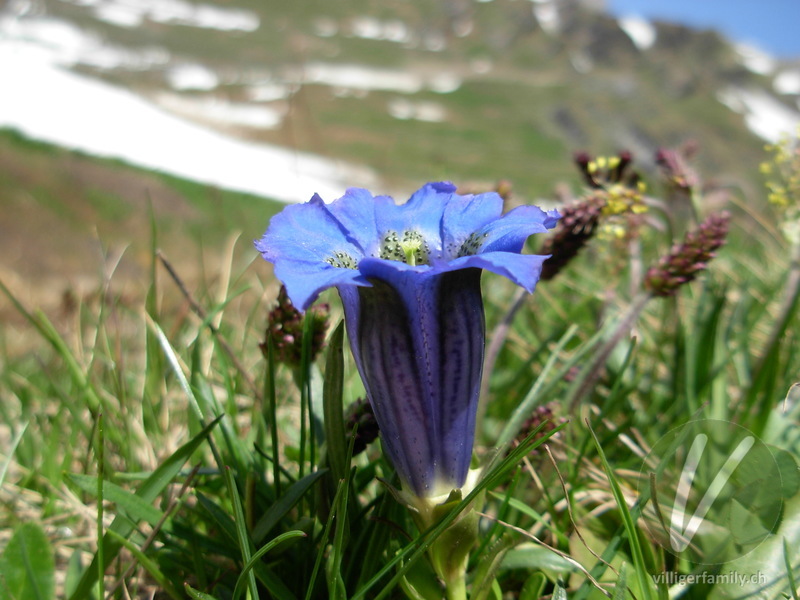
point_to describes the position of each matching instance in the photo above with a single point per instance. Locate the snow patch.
(765, 116)
(444, 83)
(787, 82)
(360, 77)
(222, 111)
(191, 76)
(373, 29)
(68, 45)
(434, 41)
(105, 120)
(403, 109)
(546, 13)
(132, 13)
(641, 31)
(269, 91)
(346, 77)
(120, 15)
(755, 59)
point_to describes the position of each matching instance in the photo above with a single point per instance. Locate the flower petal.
(522, 269)
(306, 232)
(508, 233)
(461, 345)
(355, 212)
(464, 215)
(305, 280)
(419, 339)
(422, 213)
(396, 380)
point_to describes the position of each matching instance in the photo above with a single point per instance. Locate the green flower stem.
(449, 554)
(457, 589)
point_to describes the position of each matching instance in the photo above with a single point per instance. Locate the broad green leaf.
(486, 571)
(762, 574)
(27, 567)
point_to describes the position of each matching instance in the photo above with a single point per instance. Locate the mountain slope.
(383, 94)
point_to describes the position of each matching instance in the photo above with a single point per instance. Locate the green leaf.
(333, 406)
(242, 580)
(130, 504)
(621, 587)
(414, 551)
(486, 571)
(196, 594)
(73, 575)
(27, 567)
(532, 588)
(149, 564)
(763, 573)
(284, 504)
(241, 529)
(559, 593)
(10, 453)
(148, 492)
(531, 557)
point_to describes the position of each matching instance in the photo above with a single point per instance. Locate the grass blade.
(241, 532)
(245, 574)
(148, 492)
(645, 581)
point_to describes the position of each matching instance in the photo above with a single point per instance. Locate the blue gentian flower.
(409, 279)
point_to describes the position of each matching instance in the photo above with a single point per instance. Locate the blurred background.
(207, 115)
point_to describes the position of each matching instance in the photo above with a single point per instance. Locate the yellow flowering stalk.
(782, 175)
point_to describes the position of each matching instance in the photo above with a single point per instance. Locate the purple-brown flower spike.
(688, 259)
(576, 227)
(359, 418)
(676, 170)
(285, 327)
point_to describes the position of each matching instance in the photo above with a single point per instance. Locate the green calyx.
(449, 553)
